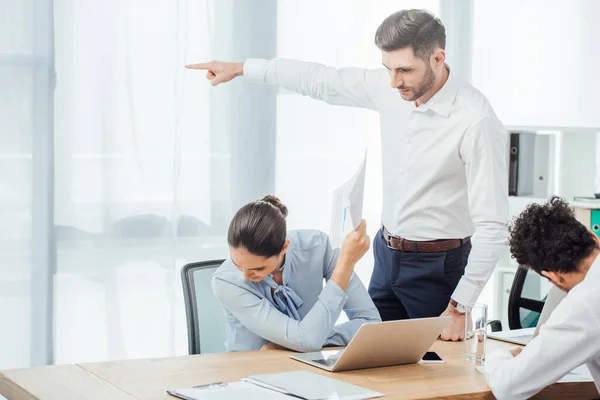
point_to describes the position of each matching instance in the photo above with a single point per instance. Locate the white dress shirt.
(444, 162)
(570, 338)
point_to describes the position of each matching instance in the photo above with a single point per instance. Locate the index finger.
(204, 66)
(362, 227)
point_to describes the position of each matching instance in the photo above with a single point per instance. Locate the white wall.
(537, 61)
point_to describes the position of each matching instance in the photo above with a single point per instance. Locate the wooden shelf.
(548, 129)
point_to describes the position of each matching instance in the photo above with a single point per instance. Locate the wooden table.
(149, 379)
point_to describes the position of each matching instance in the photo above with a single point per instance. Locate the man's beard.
(424, 86)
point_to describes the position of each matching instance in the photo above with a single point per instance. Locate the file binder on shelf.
(522, 164)
(590, 217)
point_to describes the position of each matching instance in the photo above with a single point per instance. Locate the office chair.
(204, 313)
(523, 312)
(517, 303)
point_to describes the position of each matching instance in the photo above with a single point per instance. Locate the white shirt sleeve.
(483, 151)
(569, 339)
(343, 87)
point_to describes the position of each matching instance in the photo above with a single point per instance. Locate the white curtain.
(132, 177)
(18, 60)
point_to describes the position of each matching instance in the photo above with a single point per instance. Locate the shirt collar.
(442, 101)
(286, 267)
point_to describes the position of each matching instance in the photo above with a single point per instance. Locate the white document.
(348, 206)
(284, 386)
(579, 374)
(229, 391)
(311, 386)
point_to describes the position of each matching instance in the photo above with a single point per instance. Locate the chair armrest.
(495, 325)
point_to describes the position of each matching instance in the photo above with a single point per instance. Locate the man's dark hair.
(547, 237)
(259, 227)
(418, 29)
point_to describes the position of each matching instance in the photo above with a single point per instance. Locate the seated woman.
(272, 285)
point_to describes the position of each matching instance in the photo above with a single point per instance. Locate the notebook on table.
(226, 391)
(283, 386)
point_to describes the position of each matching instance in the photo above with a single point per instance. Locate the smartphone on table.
(432, 357)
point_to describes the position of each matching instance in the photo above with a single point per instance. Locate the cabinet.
(565, 162)
(588, 216)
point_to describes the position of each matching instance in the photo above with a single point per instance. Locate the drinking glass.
(475, 332)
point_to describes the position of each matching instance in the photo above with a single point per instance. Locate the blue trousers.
(414, 285)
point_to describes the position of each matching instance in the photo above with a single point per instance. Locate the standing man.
(444, 165)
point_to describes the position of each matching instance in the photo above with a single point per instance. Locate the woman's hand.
(355, 245)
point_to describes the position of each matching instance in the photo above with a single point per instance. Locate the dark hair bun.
(277, 203)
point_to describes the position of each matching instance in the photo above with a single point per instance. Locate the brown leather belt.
(433, 246)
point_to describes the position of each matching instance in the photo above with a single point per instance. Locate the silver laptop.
(380, 344)
(516, 336)
(524, 336)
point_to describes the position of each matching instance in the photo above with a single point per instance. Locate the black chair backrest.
(517, 303)
(204, 313)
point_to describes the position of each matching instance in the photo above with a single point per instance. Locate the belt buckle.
(389, 242)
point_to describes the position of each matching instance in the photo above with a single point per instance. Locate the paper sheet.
(347, 206)
(234, 390)
(312, 386)
(283, 386)
(579, 374)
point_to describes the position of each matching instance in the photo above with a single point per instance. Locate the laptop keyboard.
(524, 338)
(330, 362)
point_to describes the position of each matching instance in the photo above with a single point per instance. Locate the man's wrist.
(239, 69)
(461, 309)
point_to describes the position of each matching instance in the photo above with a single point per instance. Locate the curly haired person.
(549, 239)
